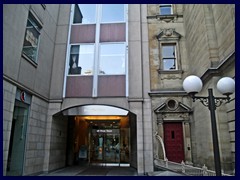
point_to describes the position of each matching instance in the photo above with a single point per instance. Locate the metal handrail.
(183, 168)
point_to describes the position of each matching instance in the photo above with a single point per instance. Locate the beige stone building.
(191, 40)
(102, 84)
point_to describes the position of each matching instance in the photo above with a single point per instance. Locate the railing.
(185, 169)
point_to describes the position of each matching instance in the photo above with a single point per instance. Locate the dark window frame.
(33, 26)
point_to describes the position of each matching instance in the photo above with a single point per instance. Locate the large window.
(81, 59)
(97, 59)
(112, 13)
(32, 37)
(84, 13)
(169, 57)
(112, 59)
(165, 9)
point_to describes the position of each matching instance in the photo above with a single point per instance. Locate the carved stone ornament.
(172, 110)
(168, 34)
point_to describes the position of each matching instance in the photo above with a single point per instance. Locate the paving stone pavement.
(93, 171)
(104, 171)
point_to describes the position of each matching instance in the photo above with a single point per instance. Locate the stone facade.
(216, 50)
(206, 48)
(202, 49)
(9, 92)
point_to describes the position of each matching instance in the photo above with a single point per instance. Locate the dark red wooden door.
(173, 141)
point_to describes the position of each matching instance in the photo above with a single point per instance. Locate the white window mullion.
(96, 52)
(126, 52)
(68, 50)
(176, 58)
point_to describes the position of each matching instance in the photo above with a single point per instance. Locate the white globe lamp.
(226, 85)
(192, 84)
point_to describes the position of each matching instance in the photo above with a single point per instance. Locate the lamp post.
(226, 85)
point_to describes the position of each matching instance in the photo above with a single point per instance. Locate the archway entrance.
(100, 135)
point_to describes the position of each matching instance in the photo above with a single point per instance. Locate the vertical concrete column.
(135, 77)
(148, 136)
(147, 109)
(139, 84)
(136, 108)
(47, 144)
(52, 109)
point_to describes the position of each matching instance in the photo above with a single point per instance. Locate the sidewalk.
(164, 173)
(105, 171)
(94, 171)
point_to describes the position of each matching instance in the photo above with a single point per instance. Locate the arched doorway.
(100, 135)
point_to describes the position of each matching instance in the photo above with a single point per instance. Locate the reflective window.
(81, 59)
(165, 9)
(112, 59)
(32, 37)
(169, 56)
(84, 13)
(113, 13)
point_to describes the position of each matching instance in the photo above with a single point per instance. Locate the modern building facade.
(102, 84)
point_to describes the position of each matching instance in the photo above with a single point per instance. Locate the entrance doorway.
(105, 145)
(103, 140)
(173, 141)
(113, 128)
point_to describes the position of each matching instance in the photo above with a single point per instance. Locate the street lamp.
(226, 86)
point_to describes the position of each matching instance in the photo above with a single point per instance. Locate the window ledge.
(170, 71)
(29, 60)
(170, 74)
(166, 18)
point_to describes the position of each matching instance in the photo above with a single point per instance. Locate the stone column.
(187, 144)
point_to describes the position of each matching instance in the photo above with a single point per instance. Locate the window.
(81, 59)
(165, 9)
(112, 13)
(97, 60)
(112, 59)
(32, 37)
(84, 13)
(169, 57)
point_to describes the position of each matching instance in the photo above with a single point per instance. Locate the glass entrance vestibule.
(105, 146)
(103, 140)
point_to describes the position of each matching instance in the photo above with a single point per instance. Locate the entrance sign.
(106, 131)
(83, 152)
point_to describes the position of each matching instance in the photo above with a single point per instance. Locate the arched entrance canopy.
(98, 110)
(111, 128)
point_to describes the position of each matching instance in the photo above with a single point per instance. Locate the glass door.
(105, 146)
(17, 140)
(112, 148)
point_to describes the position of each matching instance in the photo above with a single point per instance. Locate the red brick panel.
(113, 32)
(111, 85)
(83, 33)
(79, 86)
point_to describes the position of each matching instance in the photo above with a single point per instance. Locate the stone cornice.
(217, 70)
(167, 93)
(166, 18)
